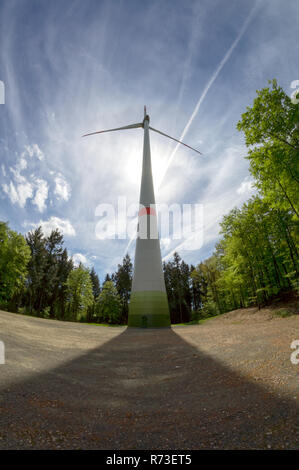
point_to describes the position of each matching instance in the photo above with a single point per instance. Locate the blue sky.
(77, 66)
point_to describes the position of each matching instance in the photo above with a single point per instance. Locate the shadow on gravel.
(144, 389)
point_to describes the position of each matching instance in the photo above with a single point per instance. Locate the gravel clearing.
(226, 384)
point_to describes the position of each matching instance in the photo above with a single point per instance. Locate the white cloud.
(11, 191)
(23, 187)
(20, 193)
(34, 151)
(20, 188)
(17, 169)
(62, 188)
(25, 191)
(22, 164)
(41, 194)
(246, 186)
(80, 258)
(63, 225)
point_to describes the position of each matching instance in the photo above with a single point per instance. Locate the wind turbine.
(148, 303)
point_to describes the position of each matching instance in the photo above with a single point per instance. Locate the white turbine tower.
(148, 303)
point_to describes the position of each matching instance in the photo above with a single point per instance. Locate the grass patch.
(104, 324)
(196, 322)
(283, 313)
(192, 322)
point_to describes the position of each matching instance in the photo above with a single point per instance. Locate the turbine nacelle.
(146, 117)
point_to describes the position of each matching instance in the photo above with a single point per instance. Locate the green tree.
(271, 128)
(48, 268)
(58, 266)
(79, 293)
(14, 258)
(123, 282)
(96, 289)
(65, 266)
(257, 256)
(206, 274)
(178, 288)
(108, 306)
(198, 288)
(36, 270)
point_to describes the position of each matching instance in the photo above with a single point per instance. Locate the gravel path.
(226, 384)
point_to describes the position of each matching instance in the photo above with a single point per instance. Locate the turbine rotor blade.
(131, 126)
(176, 140)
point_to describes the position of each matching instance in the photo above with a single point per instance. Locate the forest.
(255, 259)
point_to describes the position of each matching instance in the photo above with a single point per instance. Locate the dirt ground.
(226, 384)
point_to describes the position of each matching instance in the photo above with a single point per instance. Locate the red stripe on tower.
(147, 211)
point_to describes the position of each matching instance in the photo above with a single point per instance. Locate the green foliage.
(48, 270)
(79, 293)
(46, 312)
(258, 255)
(206, 275)
(178, 288)
(96, 289)
(122, 279)
(14, 258)
(108, 306)
(283, 313)
(58, 266)
(271, 128)
(210, 309)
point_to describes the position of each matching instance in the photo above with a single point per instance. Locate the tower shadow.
(144, 389)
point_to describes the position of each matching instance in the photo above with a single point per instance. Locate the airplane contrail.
(202, 97)
(208, 86)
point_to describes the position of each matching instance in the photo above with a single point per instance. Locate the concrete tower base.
(149, 309)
